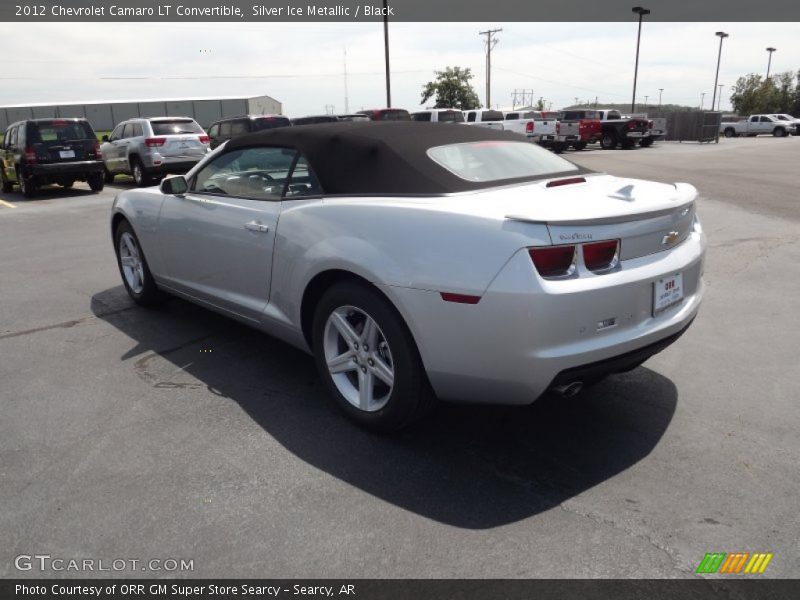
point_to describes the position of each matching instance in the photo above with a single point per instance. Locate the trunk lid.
(182, 137)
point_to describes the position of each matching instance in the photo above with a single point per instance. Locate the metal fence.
(691, 125)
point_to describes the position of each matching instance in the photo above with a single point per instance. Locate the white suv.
(150, 148)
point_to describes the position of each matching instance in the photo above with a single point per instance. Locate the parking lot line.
(7, 204)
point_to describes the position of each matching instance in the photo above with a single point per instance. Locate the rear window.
(270, 123)
(59, 130)
(175, 126)
(359, 118)
(451, 116)
(498, 160)
(421, 116)
(394, 115)
(491, 115)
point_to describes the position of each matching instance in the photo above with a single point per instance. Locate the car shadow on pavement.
(473, 467)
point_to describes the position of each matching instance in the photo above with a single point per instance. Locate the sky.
(302, 64)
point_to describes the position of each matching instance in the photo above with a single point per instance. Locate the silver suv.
(148, 149)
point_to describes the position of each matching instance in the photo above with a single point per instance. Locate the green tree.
(452, 89)
(753, 94)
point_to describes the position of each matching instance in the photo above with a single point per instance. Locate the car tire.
(730, 132)
(138, 172)
(27, 187)
(96, 181)
(67, 184)
(383, 387)
(779, 132)
(647, 142)
(133, 268)
(108, 176)
(628, 144)
(608, 141)
(580, 146)
(558, 148)
(8, 187)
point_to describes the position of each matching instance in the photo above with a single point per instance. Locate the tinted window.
(175, 126)
(269, 123)
(128, 130)
(213, 130)
(421, 116)
(491, 115)
(239, 127)
(451, 116)
(225, 129)
(136, 130)
(754, 119)
(394, 115)
(12, 136)
(354, 118)
(766, 120)
(512, 116)
(471, 116)
(614, 114)
(57, 130)
(258, 173)
(117, 133)
(498, 160)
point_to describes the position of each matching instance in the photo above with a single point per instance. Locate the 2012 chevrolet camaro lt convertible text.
(419, 260)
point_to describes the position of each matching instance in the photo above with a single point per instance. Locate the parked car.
(150, 148)
(491, 119)
(616, 130)
(789, 119)
(577, 128)
(226, 129)
(316, 119)
(38, 152)
(386, 114)
(758, 125)
(529, 123)
(416, 261)
(438, 115)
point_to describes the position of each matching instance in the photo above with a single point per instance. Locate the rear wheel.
(140, 176)
(580, 145)
(136, 277)
(26, 185)
(730, 132)
(8, 187)
(558, 148)
(608, 141)
(646, 142)
(96, 181)
(368, 359)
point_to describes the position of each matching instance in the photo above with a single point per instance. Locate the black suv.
(42, 151)
(226, 129)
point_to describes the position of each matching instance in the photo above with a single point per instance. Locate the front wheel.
(779, 132)
(608, 141)
(730, 132)
(368, 359)
(136, 276)
(108, 176)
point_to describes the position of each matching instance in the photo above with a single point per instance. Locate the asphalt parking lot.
(175, 433)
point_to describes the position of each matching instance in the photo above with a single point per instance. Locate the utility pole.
(645, 102)
(346, 100)
(490, 43)
(769, 62)
(576, 101)
(660, 91)
(386, 54)
(595, 101)
(702, 99)
(719, 102)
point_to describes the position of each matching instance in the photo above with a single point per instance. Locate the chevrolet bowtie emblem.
(670, 238)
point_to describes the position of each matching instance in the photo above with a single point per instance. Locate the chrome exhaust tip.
(568, 390)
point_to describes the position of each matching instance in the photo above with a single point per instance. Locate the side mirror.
(174, 186)
(105, 138)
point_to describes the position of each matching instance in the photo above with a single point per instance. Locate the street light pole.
(660, 91)
(386, 54)
(719, 102)
(702, 99)
(641, 12)
(769, 62)
(722, 35)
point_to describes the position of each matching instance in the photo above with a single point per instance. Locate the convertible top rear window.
(495, 160)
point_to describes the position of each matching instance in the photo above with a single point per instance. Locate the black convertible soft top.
(381, 158)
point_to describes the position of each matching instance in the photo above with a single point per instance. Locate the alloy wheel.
(131, 260)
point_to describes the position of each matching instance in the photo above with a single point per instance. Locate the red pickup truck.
(577, 128)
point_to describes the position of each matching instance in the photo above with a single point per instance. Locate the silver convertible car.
(418, 261)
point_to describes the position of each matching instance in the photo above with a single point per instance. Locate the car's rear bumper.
(515, 343)
(67, 169)
(169, 165)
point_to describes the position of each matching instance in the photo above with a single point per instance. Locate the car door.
(217, 239)
(112, 148)
(7, 151)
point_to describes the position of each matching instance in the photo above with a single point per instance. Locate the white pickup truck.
(493, 119)
(758, 125)
(533, 124)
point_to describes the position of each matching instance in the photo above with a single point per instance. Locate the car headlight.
(696, 227)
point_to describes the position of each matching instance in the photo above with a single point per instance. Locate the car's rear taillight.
(631, 124)
(203, 139)
(97, 154)
(600, 256)
(553, 261)
(650, 124)
(529, 127)
(156, 141)
(30, 155)
(558, 127)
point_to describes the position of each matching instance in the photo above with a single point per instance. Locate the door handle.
(256, 226)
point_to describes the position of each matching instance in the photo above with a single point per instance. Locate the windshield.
(498, 160)
(175, 126)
